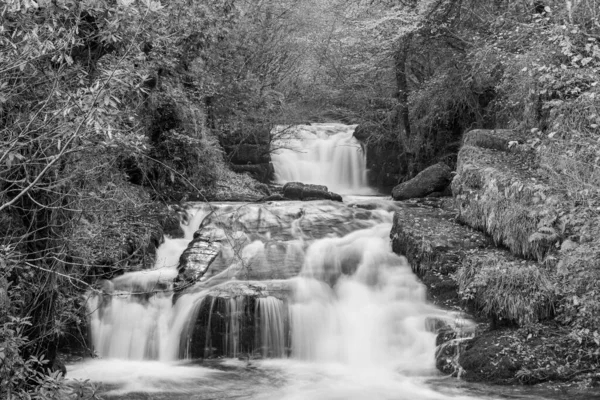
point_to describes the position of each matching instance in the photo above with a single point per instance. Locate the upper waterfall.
(324, 154)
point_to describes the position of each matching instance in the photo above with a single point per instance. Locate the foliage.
(105, 108)
(23, 378)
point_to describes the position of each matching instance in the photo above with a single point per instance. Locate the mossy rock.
(507, 197)
(435, 178)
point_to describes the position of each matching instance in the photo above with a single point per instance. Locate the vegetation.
(108, 109)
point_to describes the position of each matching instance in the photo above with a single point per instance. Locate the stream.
(290, 300)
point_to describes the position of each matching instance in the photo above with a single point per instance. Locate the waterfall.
(352, 301)
(323, 154)
(311, 283)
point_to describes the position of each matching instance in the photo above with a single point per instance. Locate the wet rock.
(293, 190)
(365, 206)
(279, 289)
(434, 325)
(335, 197)
(315, 191)
(435, 246)
(432, 179)
(491, 358)
(307, 192)
(275, 197)
(258, 261)
(196, 259)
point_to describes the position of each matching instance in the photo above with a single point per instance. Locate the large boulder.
(432, 179)
(301, 191)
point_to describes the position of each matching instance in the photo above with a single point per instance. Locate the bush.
(32, 378)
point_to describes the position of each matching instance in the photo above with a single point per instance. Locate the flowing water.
(323, 154)
(299, 300)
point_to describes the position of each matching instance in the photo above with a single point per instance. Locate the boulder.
(301, 191)
(364, 131)
(315, 191)
(293, 190)
(336, 197)
(435, 178)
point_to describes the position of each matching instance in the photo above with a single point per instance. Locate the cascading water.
(303, 300)
(323, 154)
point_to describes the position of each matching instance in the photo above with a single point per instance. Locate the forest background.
(111, 110)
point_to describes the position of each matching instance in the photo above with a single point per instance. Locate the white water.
(323, 154)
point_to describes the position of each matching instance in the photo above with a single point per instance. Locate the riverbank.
(515, 250)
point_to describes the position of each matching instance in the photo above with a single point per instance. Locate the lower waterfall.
(335, 297)
(353, 301)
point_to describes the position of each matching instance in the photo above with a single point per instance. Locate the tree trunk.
(402, 91)
(400, 58)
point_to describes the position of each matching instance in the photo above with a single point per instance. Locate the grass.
(513, 290)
